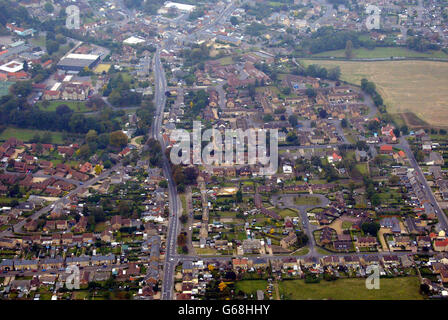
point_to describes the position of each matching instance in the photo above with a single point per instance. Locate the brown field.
(415, 89)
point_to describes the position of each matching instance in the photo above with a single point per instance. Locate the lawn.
(27, 134)
(362, 168)
(251, 286)
(225, 61)
(307, 201)
(206, 251)
(288, 213)
(407, 87)
(76, 106)
(406, 288)
(102, 67)
(384, 52)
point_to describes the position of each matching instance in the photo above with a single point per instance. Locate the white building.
(185, 8)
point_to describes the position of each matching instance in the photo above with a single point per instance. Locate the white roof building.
(12, 66)
(179, 6)
(133, 40)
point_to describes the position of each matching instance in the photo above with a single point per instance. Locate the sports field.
(406, 288)
(417, 87)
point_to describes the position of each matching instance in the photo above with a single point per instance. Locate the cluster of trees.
(113, 141)
(327, 38)
(370, 88)
(14, 110)
(155, 153)
(316, 71)
(119, 92)
(371, 193)
(256, 29)
(262, 10)
(184, 176)
(149, 7)
(53, 42)
(195, 54)
(13, 11)
(195, 102)
(371, 228)
(197, 13)
(418, 43)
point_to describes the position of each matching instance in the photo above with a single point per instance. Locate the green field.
(288, 213)
(362, 168)
(76, 106)
(384, 52)
(251, 286)
(352, 289)
(307, 201)
(27, 134)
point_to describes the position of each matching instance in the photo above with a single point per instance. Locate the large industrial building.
(184, 8)
(77, 62)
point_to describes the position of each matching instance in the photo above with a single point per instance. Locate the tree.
(118, 139)
(91, 136)
(234, 20)
(49, 7)
(293, 120)
(371, 228)
(349, 49)
(239, 196)
(98, 169)
(323, 113)
(334, 73)
(163, 184)
(25, 66)
(311, 93)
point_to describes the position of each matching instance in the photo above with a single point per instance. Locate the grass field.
(417, 87)
(225, 61)
(362, 168)
(352, 289)
(384, 52)
(76, 106)
(27, 134)
(288, 213)
(102, 67)
(251, 286)
(306, 201)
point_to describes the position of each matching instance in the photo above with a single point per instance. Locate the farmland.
(384, 52)
(412, 87)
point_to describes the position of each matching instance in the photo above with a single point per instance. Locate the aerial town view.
(223, 150)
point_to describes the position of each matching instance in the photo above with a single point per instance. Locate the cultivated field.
(352, 289)
(417, 87)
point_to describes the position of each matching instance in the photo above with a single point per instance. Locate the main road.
(443, 220)
(173, 225)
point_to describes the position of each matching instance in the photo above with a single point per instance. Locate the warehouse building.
(77, 62)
